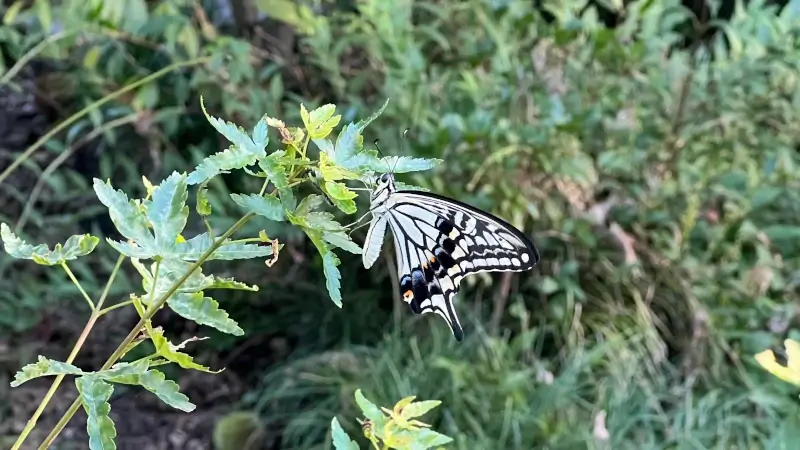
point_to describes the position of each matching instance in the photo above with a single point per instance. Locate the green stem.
(32, 54)
(73, 354)
(78, 284)
(135, 331)
(93, 106)
(103, 311)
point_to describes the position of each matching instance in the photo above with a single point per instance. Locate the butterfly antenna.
(404, 148)
(383, 157)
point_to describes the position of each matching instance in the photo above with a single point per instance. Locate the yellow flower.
(791, 371)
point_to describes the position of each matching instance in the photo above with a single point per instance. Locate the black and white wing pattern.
(438, 242)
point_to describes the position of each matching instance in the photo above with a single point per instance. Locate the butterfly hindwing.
(439, 241)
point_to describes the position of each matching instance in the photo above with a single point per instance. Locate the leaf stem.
(73, 354)
(135, 330)
(78, 284)
(103, 311)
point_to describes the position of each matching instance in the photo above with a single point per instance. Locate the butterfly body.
(439, 241)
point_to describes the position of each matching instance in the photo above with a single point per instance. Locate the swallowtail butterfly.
(438, 242)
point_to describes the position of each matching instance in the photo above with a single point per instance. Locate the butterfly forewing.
(439, 241)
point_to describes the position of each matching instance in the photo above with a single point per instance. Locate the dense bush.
(654, 163)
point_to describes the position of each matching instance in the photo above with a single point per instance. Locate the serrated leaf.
(277, 175)
(269, 207)
(321, 220)
(203, 206)
(332, 277)
(127, 216)
(342, 240)
(409, 187)
(237, 136)
(75, 246)
(168, 212)
(138, 373)
(405, 164)
(362, 124)
(321, 121)
(43, 368)
(341, 441)
(192, 249)
(205, 311)
(94, 396)
(370, 410)
(221, 162)
(418, 409)
(341, 196)
(260, 136)
(310, 203)
(170, 352)
(324, 145)
(331, 172)
(427, 438)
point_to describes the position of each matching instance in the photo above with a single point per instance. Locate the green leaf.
(348, 144)
(138, 373)
(310, 203)
(203, 206)
(370, 410)
(341, 441)
(43, 368)
(321, 121)
(418, 409)
(362, 124)
(94, 396)
(409, 187)
(221, 162)
(127, 215)
(236, 135)
(426, 438)
(192, 249)
(168, 212)
(269, 207)
(260, 136)
(331, 172)
(170, 352)
(332, 276)
(341, 196)
(79, 245)
(205, 311)
(342, 240)
(405, 164)
(321, 220)
(276, 173)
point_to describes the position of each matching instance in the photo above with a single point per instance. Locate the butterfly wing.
(374, 240)
(439, 241)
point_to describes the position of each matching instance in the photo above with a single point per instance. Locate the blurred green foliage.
(654, 163)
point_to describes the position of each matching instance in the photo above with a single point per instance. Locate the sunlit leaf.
(203, 206)
(341, 196)
(269, 206)
(426, 438)
(277, 175)
(94, 396)
(341, 441)
(310, 203)
(74, 247)
(205, 311)
(236, 135)
(370, 410)
(404, 164)
(418, 409)
(168, 211)
(43, 368)
(260, 136)
(127, 215)
(221, 162)
(138, 373)
(193, 248)
(362, 124)
(321, 121)
(170, 352)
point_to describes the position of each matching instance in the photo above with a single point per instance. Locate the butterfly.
(439, 241)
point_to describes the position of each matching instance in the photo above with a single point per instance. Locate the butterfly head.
(384, 187)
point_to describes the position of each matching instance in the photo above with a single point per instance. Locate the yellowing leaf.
(170, 352)
(790, 372)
